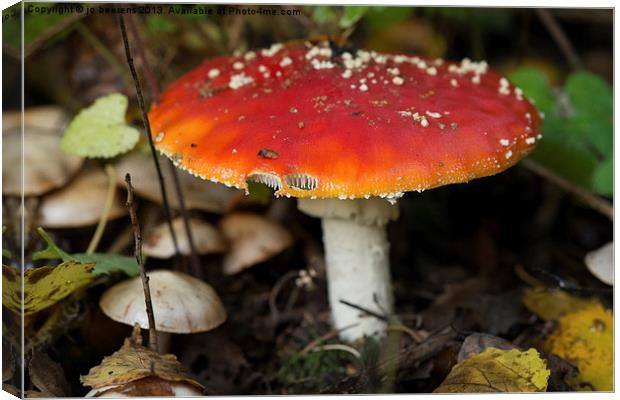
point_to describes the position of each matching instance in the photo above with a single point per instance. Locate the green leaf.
(100, 130)
(567, 156)
(323, 15)
(592, 100)
(108, 263)
(38, 27)
(351, 15)
(536, 86)
(590, 94)
(603, 178)
(52, 252)
(104, 263)
(160, 24)
(382, 17)
(43, 286)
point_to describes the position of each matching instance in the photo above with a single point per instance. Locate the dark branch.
(137, 235)
(154, 89)
(147, 129)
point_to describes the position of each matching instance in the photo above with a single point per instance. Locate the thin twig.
(138, 253)
(154, 89)
(147, 129)
(365, 310)
(593, 201)
(148, 73)
(403, 328)
(560, 37)
(105, 213)
(273, 295)
(197, 270)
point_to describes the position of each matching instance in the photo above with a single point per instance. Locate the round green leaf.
(603, 178)
(100, 130)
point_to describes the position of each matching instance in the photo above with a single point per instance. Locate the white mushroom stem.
(357, 258)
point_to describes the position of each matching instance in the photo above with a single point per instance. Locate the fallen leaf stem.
(593, 201)
(105, 213)
(137, 234)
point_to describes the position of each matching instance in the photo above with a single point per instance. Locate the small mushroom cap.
(207, 239)
(181, 303)
(197, 195)
(42, 117)
(600, 262)
(253, 239)
(46, 167)
(313, 122)
(80, 203)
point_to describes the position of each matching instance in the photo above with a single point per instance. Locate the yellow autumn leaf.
(585, 338)
(43, 286)
(550, 304)
(133, 362)
(496, 370)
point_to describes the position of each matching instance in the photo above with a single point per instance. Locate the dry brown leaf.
(497, 370)
(585, 338)
(133, 362)
(47, 375)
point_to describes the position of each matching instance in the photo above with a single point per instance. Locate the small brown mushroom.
(181, 303)
(253, 239)
(207, 239)
(46, 167)
(209, 197)
(600, 262)
(80, 203)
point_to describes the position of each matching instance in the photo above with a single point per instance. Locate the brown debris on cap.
(344, 124)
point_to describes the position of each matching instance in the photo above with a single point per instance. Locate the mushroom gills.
(301, 181)
(271, 180)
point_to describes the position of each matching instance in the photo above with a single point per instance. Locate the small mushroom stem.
(163, 342)
(357, 260)
(109, 201)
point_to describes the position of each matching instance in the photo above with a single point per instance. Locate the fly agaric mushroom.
(335, 128)
(181, 304)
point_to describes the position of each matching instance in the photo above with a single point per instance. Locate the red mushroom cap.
(317, 122)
